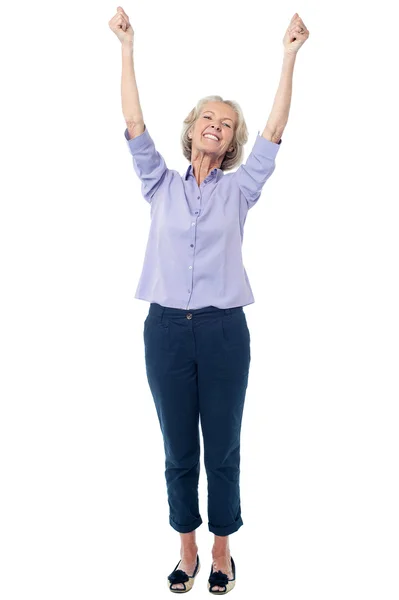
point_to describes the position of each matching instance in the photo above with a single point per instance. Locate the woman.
(197, 343)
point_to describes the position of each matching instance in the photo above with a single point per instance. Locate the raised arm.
(131, 107)
(295, 36)
(147, 161)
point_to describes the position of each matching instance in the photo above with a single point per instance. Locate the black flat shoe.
(179, 576)
(221, 580)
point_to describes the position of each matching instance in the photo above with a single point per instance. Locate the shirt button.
(192, 245)
(192, 224)
(189, 316)
(198, 197)
(190, 267)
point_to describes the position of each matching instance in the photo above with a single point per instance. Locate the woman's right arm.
(148, 163)
(130, 96)
(131, 108)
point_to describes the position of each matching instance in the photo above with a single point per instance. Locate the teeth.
(212, 137)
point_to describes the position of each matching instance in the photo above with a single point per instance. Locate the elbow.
(273, 135)
(277, 135)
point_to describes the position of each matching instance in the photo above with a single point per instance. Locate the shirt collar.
(217, 173)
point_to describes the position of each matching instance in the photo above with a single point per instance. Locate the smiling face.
(215, 119)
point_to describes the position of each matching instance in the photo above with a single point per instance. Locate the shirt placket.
(194, 238)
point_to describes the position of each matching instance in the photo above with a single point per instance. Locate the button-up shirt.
(193, 257)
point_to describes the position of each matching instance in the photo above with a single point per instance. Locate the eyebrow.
(222, 119)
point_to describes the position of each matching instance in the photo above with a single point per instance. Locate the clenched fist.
(296, 35)
(121, 27)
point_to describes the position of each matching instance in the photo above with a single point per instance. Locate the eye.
(208, 117)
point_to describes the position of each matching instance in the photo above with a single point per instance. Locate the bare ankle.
(221, 554)
(188, 547)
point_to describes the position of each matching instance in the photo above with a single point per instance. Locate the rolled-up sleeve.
(252, 175)
(147, 162)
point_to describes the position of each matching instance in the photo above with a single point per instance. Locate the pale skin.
(218, 118)
(221, 119)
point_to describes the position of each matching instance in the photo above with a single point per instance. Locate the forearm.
(130, 96)
(279, 114)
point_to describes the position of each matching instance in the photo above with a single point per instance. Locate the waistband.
(159, 310)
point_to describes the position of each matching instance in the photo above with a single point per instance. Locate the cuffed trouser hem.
(227, 529)
(185, 528)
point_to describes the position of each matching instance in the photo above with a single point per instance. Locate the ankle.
(189, 551)
(220, 552)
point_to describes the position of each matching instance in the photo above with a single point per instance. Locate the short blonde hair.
(231, 159)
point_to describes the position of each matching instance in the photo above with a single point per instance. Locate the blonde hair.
(231, 159)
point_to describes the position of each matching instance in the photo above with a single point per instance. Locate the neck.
(203, 164)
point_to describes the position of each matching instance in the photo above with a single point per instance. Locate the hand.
(121, 27)
(295, 36)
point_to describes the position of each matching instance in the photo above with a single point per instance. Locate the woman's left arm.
(295, 36)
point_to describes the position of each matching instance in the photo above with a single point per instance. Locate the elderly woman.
(197, 342)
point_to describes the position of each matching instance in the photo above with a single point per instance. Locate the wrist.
(127, 46)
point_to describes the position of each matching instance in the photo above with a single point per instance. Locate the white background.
(84, 509)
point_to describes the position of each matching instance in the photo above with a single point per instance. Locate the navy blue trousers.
(197, 364)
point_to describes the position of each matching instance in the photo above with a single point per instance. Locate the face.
(218, 119)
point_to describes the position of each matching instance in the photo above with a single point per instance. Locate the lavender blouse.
(193, 257)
